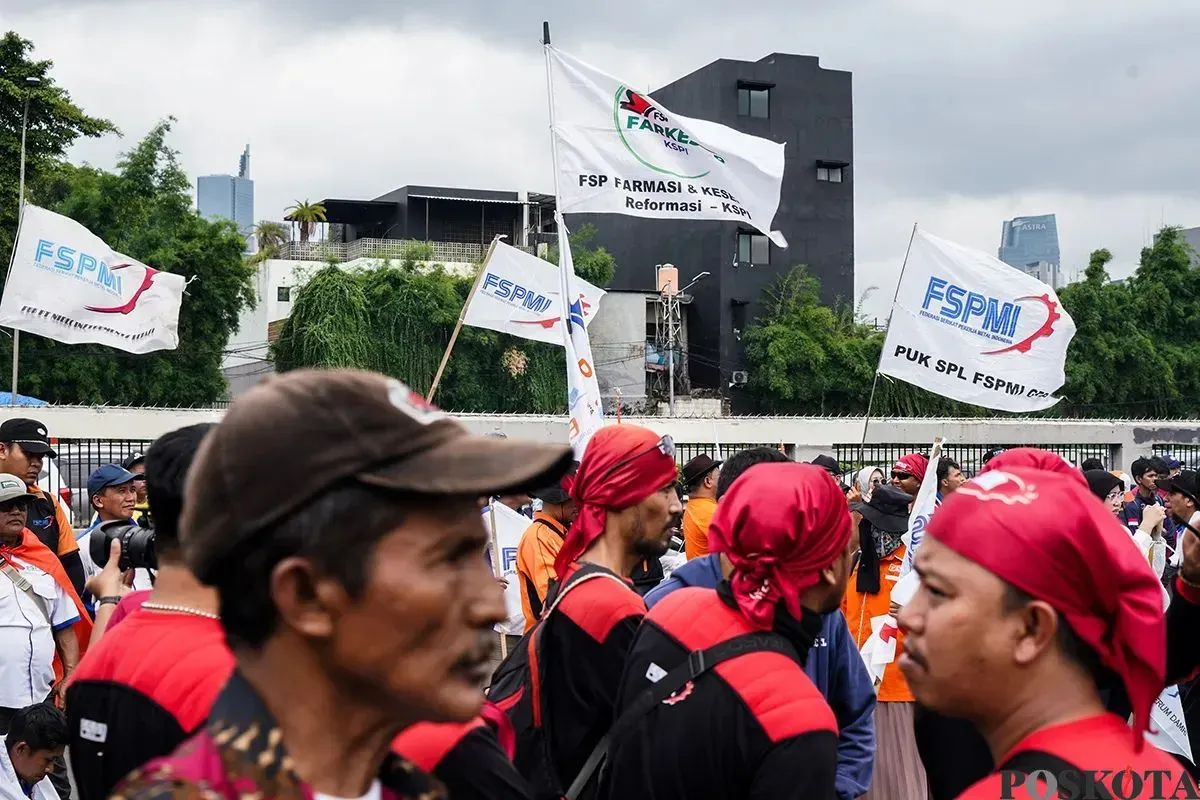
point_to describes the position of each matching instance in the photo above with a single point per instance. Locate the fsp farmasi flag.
(521, 294)
(620, 152)
(969, 327)
(66, 284)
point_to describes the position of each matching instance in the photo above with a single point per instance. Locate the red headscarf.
(1047, 535)
(621, 467)
(1033, 458)
(914, 464)
(780, 525)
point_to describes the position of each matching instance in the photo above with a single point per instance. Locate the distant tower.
(228, 197)
(244, 163)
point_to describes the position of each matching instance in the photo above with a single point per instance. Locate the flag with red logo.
(584, 404)
(967, 326)
(66, 284)
(521, 295)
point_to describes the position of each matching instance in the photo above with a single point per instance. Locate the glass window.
(830, 174)
(754, 249)
(283, 294)
(754, 102)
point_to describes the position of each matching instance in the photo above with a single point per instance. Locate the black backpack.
(516, 689)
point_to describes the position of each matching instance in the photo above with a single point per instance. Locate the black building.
(785, 98)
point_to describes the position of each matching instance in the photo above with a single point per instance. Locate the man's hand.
(503, 582)
(1152, 519)
(894, 609)
(110, 581)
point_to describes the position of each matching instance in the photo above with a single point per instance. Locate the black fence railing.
(686, 451)
(968, 456)
(1188, 454)
(66, 476)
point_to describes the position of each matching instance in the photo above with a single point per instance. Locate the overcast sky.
(965, 113)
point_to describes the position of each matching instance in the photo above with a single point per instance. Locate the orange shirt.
(696, 517)
(536, 552)
(860, 607)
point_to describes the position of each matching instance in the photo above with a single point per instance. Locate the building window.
(754, 101)
(753, 249)
(831, 174)
(283, 294)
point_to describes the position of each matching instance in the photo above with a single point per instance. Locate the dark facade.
(442, 214)
(785, 98)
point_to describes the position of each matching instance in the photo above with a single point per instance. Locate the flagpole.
(16, 352)
(462, 315)
(875, 382)
(563, 235)
(496, 568)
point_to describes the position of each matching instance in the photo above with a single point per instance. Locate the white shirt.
(373, 793)
(141, 577)
(10, 784)
(26, 638)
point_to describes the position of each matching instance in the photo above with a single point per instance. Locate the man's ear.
(1037, 633)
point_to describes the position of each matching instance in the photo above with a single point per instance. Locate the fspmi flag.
(967, 326)
(507, 536)
(620, 152)
(521, 294)
(66, 284)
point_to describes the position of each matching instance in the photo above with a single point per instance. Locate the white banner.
(1168, 729)
(509, 527)
(619, 152)
(969, 327)
(66, 284)
(922, 509)
(521, 294)
(584, 404)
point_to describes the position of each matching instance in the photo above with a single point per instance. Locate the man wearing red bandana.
(758, 727)
(909, 472)
(628, 510)
(997, 636)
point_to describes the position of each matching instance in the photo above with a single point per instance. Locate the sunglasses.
(900, 476)
(876, 481)
(665, 445)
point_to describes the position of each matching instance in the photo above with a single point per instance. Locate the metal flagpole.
(462, 315)
(496, 567)
(563, 234)
(16, 351)
(875, 382)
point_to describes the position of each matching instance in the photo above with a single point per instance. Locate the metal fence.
(66, 476)
(969, 457)
(686, 451)
(1188, 454)
(394, 249)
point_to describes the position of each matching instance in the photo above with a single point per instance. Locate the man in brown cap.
(336, 513)
(700, 480)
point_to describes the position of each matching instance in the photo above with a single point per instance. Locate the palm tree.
(307, 216)
(270, 237)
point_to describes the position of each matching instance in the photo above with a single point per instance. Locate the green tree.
(54, 124)
(144, 210)
(307, 216)
(594, 264)
(270, 237)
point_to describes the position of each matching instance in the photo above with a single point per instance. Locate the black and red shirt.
(144, 688)
(752, 727)
(584, 648)
(466, 758)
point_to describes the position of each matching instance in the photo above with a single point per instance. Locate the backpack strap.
(1027, 762)
(585, 573)
(696, 664)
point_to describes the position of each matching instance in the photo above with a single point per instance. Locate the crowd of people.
(316, 617)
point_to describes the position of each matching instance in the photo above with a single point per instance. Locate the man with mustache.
(996, 636)
(628, 510)
(336, 513)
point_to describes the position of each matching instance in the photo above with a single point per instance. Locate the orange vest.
(536, 552)
(696, 518)
(860, 607)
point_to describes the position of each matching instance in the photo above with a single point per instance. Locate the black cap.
(132, 461)
(828, 463)
(1186, 483)
(556, 493)
(29, 433)
(695, 470)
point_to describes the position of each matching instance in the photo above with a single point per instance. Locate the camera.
(137, 545)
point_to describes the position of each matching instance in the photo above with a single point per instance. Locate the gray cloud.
(965, 113)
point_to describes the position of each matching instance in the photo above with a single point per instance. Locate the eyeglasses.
(665, 445)
(900, 476)
(1114, 494)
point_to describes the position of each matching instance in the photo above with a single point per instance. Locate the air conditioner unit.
(740, 377)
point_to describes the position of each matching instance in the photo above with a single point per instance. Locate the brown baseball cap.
(293, 437)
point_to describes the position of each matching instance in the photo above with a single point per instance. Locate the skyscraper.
(229, 197)
(1031, 245)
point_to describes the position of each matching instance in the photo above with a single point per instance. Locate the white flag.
(584, 404)
(521, 294)
(66, 284)
(971, 328)
(507, 537)
(1168, 728)
(619, 152)
(922, 509)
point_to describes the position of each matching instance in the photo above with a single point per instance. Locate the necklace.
(181, 610)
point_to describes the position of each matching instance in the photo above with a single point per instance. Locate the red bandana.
(1033, 458)
(621, 467)
(1047, 535)
(914, 464)
(780, 525)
